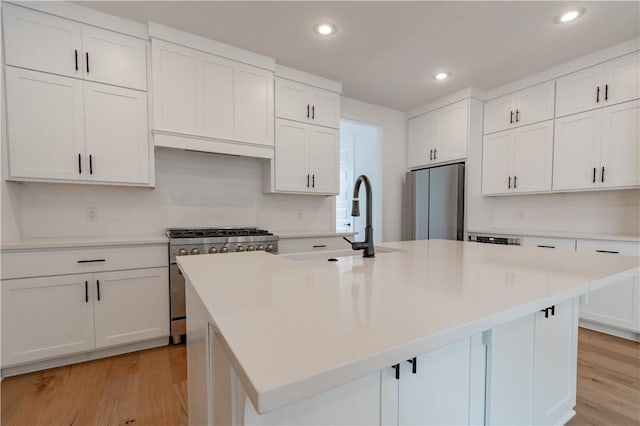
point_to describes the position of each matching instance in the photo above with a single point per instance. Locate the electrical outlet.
(92, 215)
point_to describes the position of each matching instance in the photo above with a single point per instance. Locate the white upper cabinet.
(439, 136)
(323, 148)
(42, 42)
(47, 43)
(610, 83)
(308, 104)
(527, 106)
(519, 160)
(598, 149)
(114, 58)
(203, 95)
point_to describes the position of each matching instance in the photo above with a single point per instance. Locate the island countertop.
(292, 329)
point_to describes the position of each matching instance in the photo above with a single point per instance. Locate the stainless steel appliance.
(490, 239)
(434, 203)
(197, 241)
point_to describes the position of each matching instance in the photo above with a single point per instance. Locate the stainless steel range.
(196, 241)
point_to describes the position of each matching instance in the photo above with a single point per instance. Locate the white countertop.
(292, 329)
(550, 234)
(285, 235)
(69, 242)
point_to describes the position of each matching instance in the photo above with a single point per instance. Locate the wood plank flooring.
(149, 388)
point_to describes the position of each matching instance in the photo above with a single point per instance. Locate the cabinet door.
(620, 146)
(532, 153)
(496, 163)
(290, 168)
(46, 317)
(292, 100)
(323, 149)
(253, 101)
(622, 79)
(325, 107)
(175, 87)
(41, 42)
(554, 365)
(576, 151)
(535, 104)
(499, 114)
(114, 58)
(45, 125)
(451, 132)
(421, 138)
(131, 306)
(438, 393)
(578, 91)
(217, 97)
(117, 141)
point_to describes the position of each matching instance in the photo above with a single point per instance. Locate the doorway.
(360, 153)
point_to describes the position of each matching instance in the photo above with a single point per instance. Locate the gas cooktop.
(215, 232)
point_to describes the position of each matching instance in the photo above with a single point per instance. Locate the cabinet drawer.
(625, 248)
(35, 263)
(550, 243)
(303, 245)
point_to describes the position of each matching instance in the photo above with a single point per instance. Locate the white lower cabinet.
(531, 368)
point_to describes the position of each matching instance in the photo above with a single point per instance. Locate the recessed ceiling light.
(325, 29)
(442, 75)
(570, 15)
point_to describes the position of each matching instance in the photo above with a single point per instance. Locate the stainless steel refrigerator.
(434, 203)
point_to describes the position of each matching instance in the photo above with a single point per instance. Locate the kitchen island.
(428, 332)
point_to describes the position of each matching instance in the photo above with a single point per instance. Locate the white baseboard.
(625, 334)
(82, 357)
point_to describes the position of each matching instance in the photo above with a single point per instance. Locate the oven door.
(178, 307)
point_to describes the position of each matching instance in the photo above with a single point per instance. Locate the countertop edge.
(62, 243)
(293, 235)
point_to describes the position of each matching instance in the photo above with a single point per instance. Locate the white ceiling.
(386, 53)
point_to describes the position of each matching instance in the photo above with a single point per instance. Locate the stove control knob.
(250, 248)
(213, 250)
(195, 251)
(224, 249)
(269, 248)
(260, 247)
(240, 248)
(182, 252)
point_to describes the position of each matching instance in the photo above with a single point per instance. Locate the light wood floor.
(149, 388)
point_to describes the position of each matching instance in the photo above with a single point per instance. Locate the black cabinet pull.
(313, 112)
(546, 312)
(430, 154)
(87, 56)
(515, 182)
(435, 154)
(397, 368)
(543, 246)
(602, 175)
(598, 94)
(511, 119)
(319, 245)
(86, 292)
(76, 59)
(606, 92)
(79, 164)
(90, 164)
(414, 364)
(98, 288)
(307, 110)
(313, 181)
(307, 180)
(608, 251)
(553, 310)
(594, 175)
(517, 115)
(92, 261)
(509, 184)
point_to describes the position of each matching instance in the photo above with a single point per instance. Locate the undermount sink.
(333, 254)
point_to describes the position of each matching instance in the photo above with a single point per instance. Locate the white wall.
(394, 159)
(192, 189)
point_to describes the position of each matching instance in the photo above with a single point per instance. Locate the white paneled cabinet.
(208, 97)
(62, 128)
(598, 149)
(43, 42)
(306, 158)
(610, 83)
(307, 104)
(439, 136)
(518, 160)
(525, 107)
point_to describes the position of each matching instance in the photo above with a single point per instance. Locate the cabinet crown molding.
(304, 77)
(213, 47)
(470, 92)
